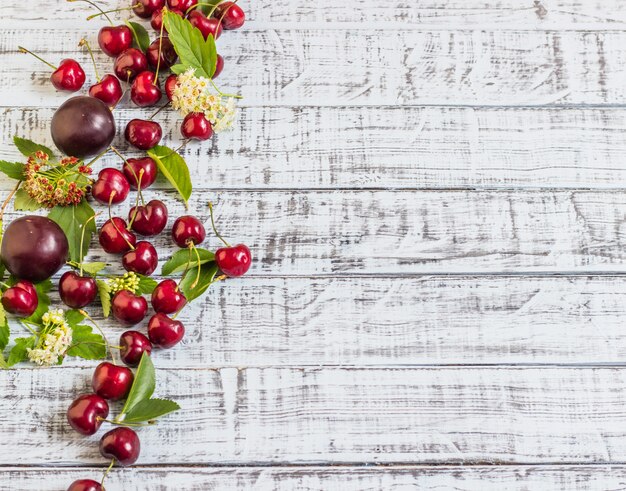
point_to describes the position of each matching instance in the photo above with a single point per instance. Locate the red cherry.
(233, 261)
(70, 76)
(196, 127)
(167, 297)
(149, 219)
(144, 92)
(141, 260)
(132, 170)
(129, 308)
(85, 485)
(143, 134)
(115, 238)
(157, 19)
(110, 187)
(147, 7)
(182, 5)
(165, 332)
(205, 24)
(188, 229)
(108, 90)
(170, 84)
(168, 54)
(21, 299)
(112, 382)
(115, 39)
(219, 66)
(121, 444)
(86, 413)
(77, 291)
(231, 14)
(133, 346)
(129, 64)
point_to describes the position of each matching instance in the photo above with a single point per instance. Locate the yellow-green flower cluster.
(129, 281)
(54, 339)
(198, 95)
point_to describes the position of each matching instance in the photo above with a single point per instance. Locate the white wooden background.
(434, 194)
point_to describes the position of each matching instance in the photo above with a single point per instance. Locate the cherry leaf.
(87, 344)
(143, 385)
(146, 285)
(28, 147)
(191, 288)
(73, 219)
(14, 170)
(150, 409)
(19, 352)
(105, 297)
(181, 258)
(174, 168)
(93, 268)
(141, 38)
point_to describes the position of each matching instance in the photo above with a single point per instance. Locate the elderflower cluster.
(61, 184)
(128, 281)
(55, 338)
(197, 95)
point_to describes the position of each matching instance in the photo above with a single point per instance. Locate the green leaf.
(87, 344)
(178, 69)
(73, 219)
(206, 278)
(5, 331)
(190, 45)
(74, 317)
(207, 6)
(174, 168)
(146, 285)
(150, 409)
(94, 268)
(179, 260)
(3, 363)
(43, 288)
(28, 147)
(105, 297)
(143, 385)
(14, 170)
(18, 353)
(141, 38)
(23, 202)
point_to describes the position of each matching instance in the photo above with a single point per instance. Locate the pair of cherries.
(20, 299)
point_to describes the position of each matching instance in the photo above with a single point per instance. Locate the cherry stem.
(121, 423)
(105, 12)
(87, 316)
(24, 50)
(5, 285)
(106, 473)
(222, 94)
(195, 282)
(121, 99)
(98, 157)
(132, 247)
(102, 12)
(187, 266)
(139, 195)
(8, 199)
(83, 42)
(214, 227)
(199, 4)
(82, 240)
(156, 73)
(159, 110)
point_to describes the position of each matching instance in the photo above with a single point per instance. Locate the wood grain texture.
(398, 67)
(374, 415)
(398, 321)
(395, 478)
(403, 148)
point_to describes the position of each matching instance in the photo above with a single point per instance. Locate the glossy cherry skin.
(86, 413)
(188, 229)
(219, 66)
(133, 346)
(108, 90)
(149, 219)
(70, 76)
(144, 92)
(85, 485)
(115, 238)
(231, 14)
(112, 382)
(233, 261)
(129, 64)
(143, 134)
(142, 260)
(121, 444)
(110, 187)
(165, 332)
(115, 39)
(21, 299)
(182, 5)
(167, 297)
(157, 19)
(146, 8)
(196, 127)
(129, 308)
(206, 25)
(143, 169)
(77, 291)
(170, 84)
(168, 54)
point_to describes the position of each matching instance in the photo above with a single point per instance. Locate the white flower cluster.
(197, 95)
(55, 339)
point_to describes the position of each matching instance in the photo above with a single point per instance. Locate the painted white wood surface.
(427, 187)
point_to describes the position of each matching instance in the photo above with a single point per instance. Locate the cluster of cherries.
(141, 70)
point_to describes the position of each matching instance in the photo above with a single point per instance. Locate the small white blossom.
(54, 340)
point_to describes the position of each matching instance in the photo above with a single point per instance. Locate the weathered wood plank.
(435, 478)
(397, 67)
(399, 321)
(411, 147)
(444, 415)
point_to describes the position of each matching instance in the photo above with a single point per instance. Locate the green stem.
(106, 473)
(159, 110)
(214, 227)
(105, 12)
(83, 42)
(156, 74)
(222, 94)
(121, 423)
(195, 282)
(82, 241)
(8, 199)
(102, 12)
(24, 50)
(98, 157)
(88, 317)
